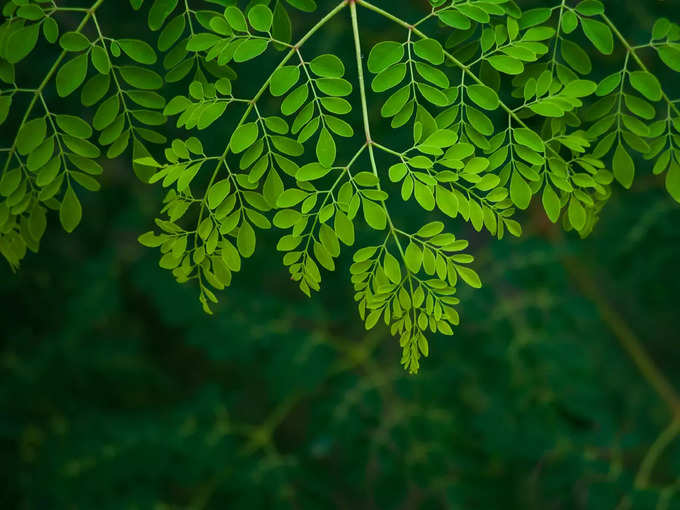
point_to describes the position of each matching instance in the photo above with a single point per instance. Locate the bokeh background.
(117, 391)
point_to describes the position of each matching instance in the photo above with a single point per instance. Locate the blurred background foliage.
(117, 391)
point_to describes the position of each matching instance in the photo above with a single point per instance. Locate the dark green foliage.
(137, 400)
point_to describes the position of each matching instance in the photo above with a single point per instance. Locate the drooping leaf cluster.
(504, 107)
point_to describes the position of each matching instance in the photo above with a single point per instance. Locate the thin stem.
(553, 62)
(362, 84)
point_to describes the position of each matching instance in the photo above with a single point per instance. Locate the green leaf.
(576, 57)
(334, 86)
(245, 240)
(260, 18)
(374, 214)
(579, 88)
(218, 192)
(230, 255)
(483, 96)
(424, 196)
(430, 50)
(74, 126)
(590, 7)
(71, 75)
(311, 172)
(21, 42)
(325, 148)
(5, 106)
(244, 137)
(202, 42)
(384, 54)
(623, 166)
(577, 214)
(70, 211)
(433, 95)
(392, 268)
(30, 12)
(432, 74)
(670, 56)
(639, 107)
(454, 19)
(647, 84)
(469, 276)
(10, 181)
(303, 5)
(528, 138)
(673, 181)
(447, 202)
(283, 79)
(31, 135)
(141, 78)
(139, 51)
(551, 203)
(100, 60)
(106, 113)
(413, 257)
(506, 64)
(159, 12)
(327, 66)
(295, 100)
(661, 28)
(441, 138)
(397, 172)
(520, 192)
(396, 101)
(291, 197)
(236, 19)
(599, 34)
(249, 49)
(50, 30)
(475, 13)
(74, 41)
(282, 28)
(94, 89)
(344, 228)
(171, 33)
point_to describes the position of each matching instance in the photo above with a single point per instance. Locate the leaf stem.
(362, 84)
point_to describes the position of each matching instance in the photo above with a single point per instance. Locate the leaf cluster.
(503, 108)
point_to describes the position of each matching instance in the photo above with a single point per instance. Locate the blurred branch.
(656, 450)
(625, 335)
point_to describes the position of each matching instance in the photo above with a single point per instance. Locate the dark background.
(117, 391)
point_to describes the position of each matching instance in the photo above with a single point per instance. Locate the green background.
(117, 391)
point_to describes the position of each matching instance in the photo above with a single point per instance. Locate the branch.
(627, 338)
